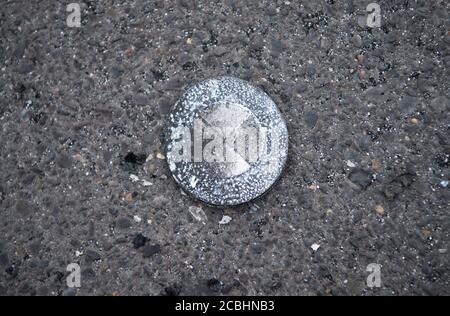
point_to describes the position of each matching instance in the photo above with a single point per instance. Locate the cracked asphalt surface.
(83, 178)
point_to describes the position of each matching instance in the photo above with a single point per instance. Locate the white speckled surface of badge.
(226, 141)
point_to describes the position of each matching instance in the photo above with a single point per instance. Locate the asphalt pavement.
(84, 179)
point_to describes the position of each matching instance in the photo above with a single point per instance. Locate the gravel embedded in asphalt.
(83, 108)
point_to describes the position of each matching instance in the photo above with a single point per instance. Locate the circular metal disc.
(226, 142)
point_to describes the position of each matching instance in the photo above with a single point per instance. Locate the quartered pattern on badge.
(227, 141)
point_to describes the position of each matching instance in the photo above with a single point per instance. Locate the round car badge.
(226, 142)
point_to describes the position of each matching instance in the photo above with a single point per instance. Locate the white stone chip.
(351, 164)
(315, 247)
(146, 183)
(198, 214)
(225, 220)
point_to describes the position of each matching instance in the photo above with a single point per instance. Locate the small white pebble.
(315, 247)
(198, 214)
(225, 220)
(350, 164)
(444, 183)
(137, 219)
(134, 178)
(160, 156)
(78, 253)
(146, 183)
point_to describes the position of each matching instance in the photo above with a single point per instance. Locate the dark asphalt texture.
(82, 109)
